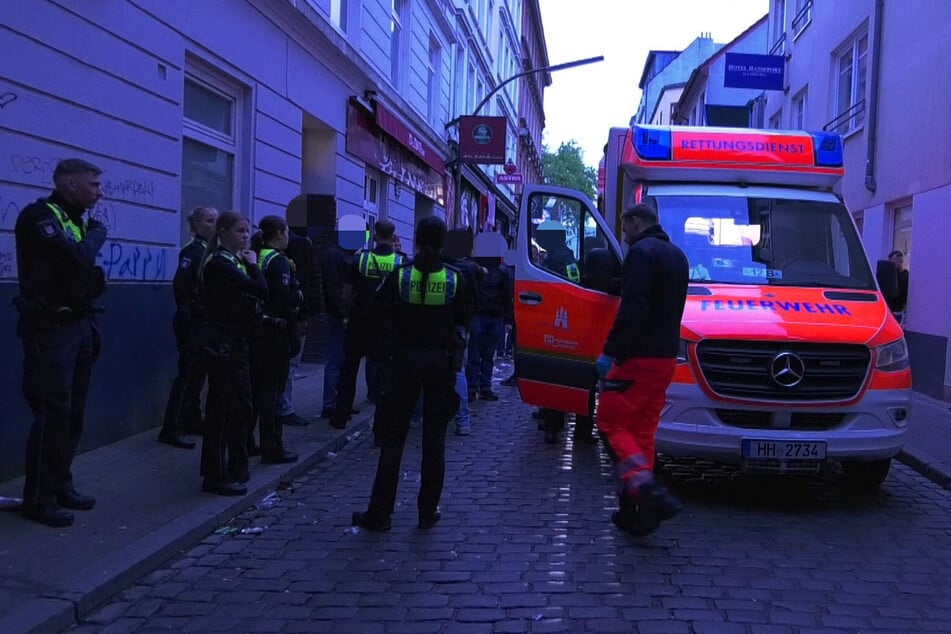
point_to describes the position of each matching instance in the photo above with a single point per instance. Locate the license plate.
(783, 450)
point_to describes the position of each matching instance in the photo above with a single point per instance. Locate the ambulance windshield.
(776, 241)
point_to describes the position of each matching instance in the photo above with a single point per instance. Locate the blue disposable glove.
(604, 365)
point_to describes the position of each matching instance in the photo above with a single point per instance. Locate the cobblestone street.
(525, 544)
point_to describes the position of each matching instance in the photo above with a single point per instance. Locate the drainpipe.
(873, 97)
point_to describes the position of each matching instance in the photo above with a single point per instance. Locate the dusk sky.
(583, 103)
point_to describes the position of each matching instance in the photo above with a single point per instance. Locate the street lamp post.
(457, 162)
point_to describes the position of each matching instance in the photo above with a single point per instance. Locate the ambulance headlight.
(892, 357)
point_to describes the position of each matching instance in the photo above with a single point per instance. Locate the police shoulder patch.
(286, 279)
(185, 263)
(47, 227)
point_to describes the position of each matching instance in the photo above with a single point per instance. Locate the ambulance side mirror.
(886, 273)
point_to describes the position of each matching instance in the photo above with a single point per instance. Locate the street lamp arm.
(550, 69)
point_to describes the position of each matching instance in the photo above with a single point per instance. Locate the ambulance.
(790, 359)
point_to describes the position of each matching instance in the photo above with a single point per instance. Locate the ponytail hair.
(226, 220)
(270, 226)
(430, 236)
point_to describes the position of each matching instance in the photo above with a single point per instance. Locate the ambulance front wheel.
(866, 476)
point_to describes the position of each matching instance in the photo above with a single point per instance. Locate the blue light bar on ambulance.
(828, 149)
(652, 144)
(740, 155)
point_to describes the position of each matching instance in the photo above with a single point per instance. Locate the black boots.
(641, 514)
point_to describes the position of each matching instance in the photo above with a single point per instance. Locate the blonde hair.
(226, 220)
(195, 215)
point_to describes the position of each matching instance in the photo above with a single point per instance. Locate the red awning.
(390, 123)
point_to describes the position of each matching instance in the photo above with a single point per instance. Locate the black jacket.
(656, 276)
(231, 298)
(415, 327)
(494, 294)
(335, 266)
(302, 253)
(185, 282)
(54, 269)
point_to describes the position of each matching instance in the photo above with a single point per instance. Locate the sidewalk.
(149, 506)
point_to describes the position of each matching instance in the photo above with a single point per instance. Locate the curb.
(93, 586)
(924, 468)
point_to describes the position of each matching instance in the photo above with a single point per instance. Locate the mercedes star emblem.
(787, 369)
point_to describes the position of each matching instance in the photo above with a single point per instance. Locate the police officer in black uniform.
(56, 247)
(183, 411)
(275, 340)
(370, 267)
(424, 309)
(233, 291)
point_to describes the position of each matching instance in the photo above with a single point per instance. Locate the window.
(397, 20)
(803, 17)
(778, 11)
(851, 63)
(799, 111)
(209, 145)
(434, 80)
(733, 239)
(776, 121)
(338, 14)
(567, 241)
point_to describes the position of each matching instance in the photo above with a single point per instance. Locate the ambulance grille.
(743, 369)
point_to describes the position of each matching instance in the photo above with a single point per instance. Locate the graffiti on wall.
(41, 168)
(133, 262)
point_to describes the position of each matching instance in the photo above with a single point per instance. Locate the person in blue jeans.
(335, 263)
(493, 304)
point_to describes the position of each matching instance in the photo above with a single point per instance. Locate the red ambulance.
(790, 357)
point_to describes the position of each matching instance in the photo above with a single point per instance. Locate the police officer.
(424, 308)
(370, 267)
(183, 411)
(275, 340)
(637, 366)
(232, 291)
(56, 246)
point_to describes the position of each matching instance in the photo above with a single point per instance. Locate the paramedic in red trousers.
(638, 364)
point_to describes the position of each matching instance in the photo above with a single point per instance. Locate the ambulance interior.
(734, 235)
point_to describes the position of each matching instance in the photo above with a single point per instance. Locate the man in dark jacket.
(638, 364)
(492, 307)
(300, 250)
(335, 265)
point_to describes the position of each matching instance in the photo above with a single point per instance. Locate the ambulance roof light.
(828, 149)
(652, 144)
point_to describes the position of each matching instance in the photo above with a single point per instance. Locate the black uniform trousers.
(357, 344)
(57, 365)
(228, 410)
(183, 411)
(431, 372)
(270, 367)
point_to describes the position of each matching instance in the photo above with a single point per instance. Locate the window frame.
(776, 120)
(778, 25)
(211, 80)
(799, 106)
(802, 17)
(851, 124)
(433, 79)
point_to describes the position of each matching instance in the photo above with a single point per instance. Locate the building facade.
(240, 104)
(705, 100)
(667, 71)
(876, 72)
(531, 97)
